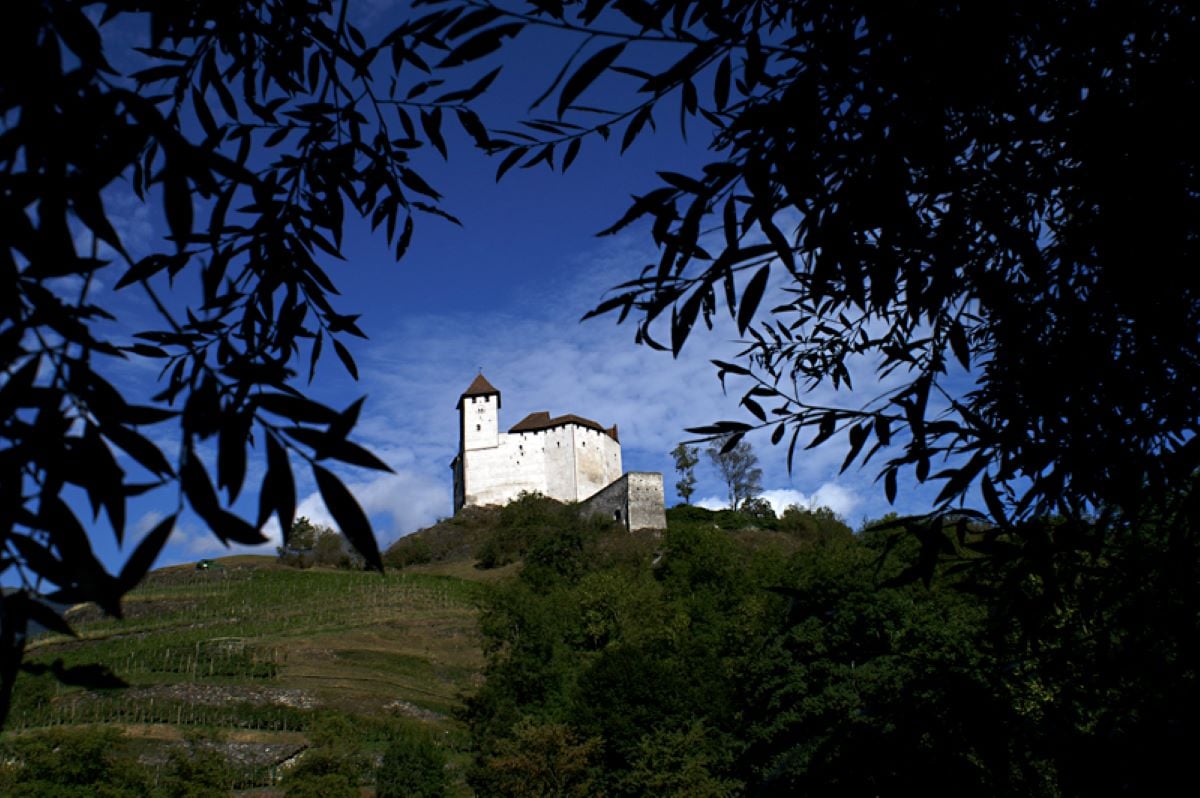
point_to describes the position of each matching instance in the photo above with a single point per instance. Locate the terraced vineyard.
(258, 656)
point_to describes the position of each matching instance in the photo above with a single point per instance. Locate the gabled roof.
(541, 420)
(480, 387)
(533, 421)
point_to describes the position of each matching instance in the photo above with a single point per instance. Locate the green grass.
(255, 646)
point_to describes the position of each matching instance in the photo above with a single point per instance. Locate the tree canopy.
(738, 465)
(686, 458)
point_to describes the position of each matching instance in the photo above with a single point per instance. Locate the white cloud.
(404, 501)
(838, 498)
(712, 503)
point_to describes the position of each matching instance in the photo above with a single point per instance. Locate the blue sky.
(503, 293)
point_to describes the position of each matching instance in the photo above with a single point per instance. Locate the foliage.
(457, 538)
(304, 534)
(738, 464)
(413, 765)
(686, 458)
(197, 772)
(550, 535)
(915, 199)
(720, 668)
(316, 544)
(320, 785)
(332, 770)
(929, 186)
(256, 128)
(817, 525)
(680, 763)
(408, 551)
(541, 759)
(76, 763)
(758, 508)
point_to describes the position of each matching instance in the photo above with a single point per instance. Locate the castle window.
(477, 428)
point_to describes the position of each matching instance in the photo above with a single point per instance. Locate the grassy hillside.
(264, 664)
(256, 658)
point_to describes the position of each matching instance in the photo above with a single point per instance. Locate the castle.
(568, 458)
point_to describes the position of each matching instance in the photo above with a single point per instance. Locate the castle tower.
(479, 416)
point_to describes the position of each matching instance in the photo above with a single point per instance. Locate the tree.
(414, 766)
(255, 127)
(738, 464)
(317, 544)
(686, 458)
(817, 525)
(304, 534)
(758, 508)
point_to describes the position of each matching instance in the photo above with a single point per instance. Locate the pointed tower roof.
(480, 387)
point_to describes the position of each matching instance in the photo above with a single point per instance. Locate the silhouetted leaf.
(635, 126)
(431, 122)
(473, 127)
(481, 44)
(751, 297)
(721, 84)
(466, 95)
(51, 619)
(858, 436)
(513, 156)
(177, 205)
(352, 453)
(344, 355)
(587, 74)
(139, 448)
(572, 151)
(231, 452)
(414, 181)
(278, 492)
(147, 551)
(297, 408)
(992, 499)
(197, 487)
(350, 518)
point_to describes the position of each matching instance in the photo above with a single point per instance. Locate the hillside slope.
(257, 658)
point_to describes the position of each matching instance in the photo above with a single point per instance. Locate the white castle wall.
(480, 422)
(568, 463)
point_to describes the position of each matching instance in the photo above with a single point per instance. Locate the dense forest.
(744, 654)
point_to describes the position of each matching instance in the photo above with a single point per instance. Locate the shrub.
(413, 766)
(411, 550)
(77, 763)
(200, 772)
